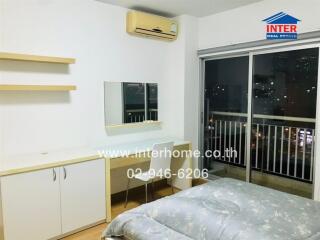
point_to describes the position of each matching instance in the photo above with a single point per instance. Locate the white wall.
(94, 33)
(245, 24)
(183, 76)
(191, 84)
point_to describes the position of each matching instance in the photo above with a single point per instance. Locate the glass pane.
(134, 102)
(226, 83)
(284, 110)
(282, 80)
(152, 101)
(226, 88)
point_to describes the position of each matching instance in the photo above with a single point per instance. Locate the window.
(285, 83)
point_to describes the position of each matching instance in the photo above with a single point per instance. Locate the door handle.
(54, 174)
(64, 173)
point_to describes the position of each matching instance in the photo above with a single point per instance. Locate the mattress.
(224, 209)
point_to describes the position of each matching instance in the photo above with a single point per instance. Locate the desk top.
(37, 161)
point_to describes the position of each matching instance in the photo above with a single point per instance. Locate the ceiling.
(172, 8)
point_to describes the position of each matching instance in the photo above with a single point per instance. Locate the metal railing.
(262, 116)
(138, 115)
(277, 149)
(153, 114)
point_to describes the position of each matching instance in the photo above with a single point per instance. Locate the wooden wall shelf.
(35, 58)
(52, 88)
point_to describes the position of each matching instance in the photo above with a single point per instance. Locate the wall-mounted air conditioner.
(148, 25)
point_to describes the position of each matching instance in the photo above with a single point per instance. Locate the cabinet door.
(83, 199)
(31, 205)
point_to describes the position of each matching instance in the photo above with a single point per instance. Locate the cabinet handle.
(64, 173)
(54, 174)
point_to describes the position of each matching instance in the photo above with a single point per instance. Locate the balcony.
(280, 146)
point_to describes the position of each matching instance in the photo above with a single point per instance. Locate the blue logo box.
(281, 26)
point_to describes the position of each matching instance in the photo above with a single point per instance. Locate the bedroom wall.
(191, 87)
(37, 122)
(245, 24)
(183, 73)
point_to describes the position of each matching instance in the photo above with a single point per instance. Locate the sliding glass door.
(283, 124)
(226, 90)
(265, 134)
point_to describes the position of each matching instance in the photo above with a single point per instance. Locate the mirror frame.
(144, 124)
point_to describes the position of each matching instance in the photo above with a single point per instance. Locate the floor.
(136, 198)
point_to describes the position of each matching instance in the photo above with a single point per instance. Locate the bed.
(224, 209)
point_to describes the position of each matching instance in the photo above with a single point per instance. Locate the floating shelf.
(52, 88)
(35, 58)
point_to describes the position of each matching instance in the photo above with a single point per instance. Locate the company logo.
(281, 26)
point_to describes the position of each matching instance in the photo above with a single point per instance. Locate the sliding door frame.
(316, 168)
(251, 52)
(202, 95)
(249, 119)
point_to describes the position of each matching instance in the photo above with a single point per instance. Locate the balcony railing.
(138, 115)
(276, 149)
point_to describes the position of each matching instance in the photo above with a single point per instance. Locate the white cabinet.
(48, 203)
(31, 205)
(82, 194)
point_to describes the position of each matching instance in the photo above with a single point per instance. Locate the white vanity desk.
(49, 195)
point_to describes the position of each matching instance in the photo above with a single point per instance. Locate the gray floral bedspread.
(224, 209)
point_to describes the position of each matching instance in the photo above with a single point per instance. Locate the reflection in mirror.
(134, 102)
(152, 101)
(130, 102)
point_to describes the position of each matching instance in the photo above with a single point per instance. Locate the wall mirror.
(130, 103)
